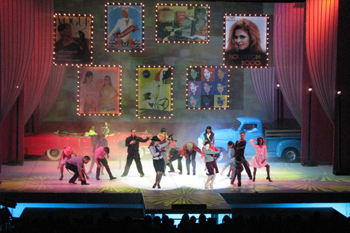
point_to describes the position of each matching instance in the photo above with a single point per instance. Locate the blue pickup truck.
(279, 143)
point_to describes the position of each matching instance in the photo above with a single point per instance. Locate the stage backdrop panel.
(99, 91)
(154, 92)
(124, 27)
(73, 39)
(246, 41)
(182, 23)
(207, 87)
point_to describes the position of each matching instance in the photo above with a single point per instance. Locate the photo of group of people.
(154, 87)
(207, 88)
(99, 90)
(177, 24)
(245, 41)
(124, 27)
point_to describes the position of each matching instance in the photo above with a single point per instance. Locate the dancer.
(175, 154)
(239, 151)
(209, 136)
(237, 169)
(77, 165)
(100, 158)
(66, 154)
(190, 150)
(230, 146)
(259, 159)
(99, 141)
(210, 163)
(132, 142)
(158, 162)
(163, 137)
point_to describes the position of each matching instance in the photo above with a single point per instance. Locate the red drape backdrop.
(288, 50)
(321, 48)
(41, 60)
(26, 50)
(51, 90)
(16, 48)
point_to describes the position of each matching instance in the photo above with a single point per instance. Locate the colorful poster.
(245, 41)
(124, 29)
(99, 91)
(207, 87)
(73, 41)
(154, 88)
(179, 24)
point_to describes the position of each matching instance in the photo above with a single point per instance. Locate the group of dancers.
(157, 148)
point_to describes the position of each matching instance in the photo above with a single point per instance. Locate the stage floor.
(292, 183)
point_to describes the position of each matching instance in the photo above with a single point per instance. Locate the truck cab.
(279, 143)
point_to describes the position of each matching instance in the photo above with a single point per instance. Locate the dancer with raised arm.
(259, 159)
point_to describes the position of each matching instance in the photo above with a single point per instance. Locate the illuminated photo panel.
(73, 39)
(246, 41)
(99, 91)
(154, 92)
(124, 27)
(182, 23)
(207, 87)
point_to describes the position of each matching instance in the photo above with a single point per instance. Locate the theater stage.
(36, 185)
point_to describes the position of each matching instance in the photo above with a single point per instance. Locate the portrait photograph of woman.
(73, 39)
(245, 41)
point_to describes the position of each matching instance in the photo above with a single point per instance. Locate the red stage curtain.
(41, 59)
(288, 51)
(321, 49)
(51, 90)
(16, 49)
(264, 85)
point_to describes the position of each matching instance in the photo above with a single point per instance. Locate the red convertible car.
(50, 144)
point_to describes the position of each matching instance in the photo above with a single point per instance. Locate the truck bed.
(282, 133)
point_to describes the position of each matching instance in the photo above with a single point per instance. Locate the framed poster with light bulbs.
(207, 87)
(246, 40)
(154, 92)
(99, 90)
(182, 23)
(124, 27)
(73, 39)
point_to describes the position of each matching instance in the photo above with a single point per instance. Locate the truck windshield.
(236, 125)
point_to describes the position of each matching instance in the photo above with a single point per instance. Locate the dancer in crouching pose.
(66, 154)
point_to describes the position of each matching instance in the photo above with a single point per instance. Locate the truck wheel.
(290, 155)
(53, 154)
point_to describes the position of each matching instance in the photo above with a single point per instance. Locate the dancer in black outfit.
(132, 142)
(239, 151)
